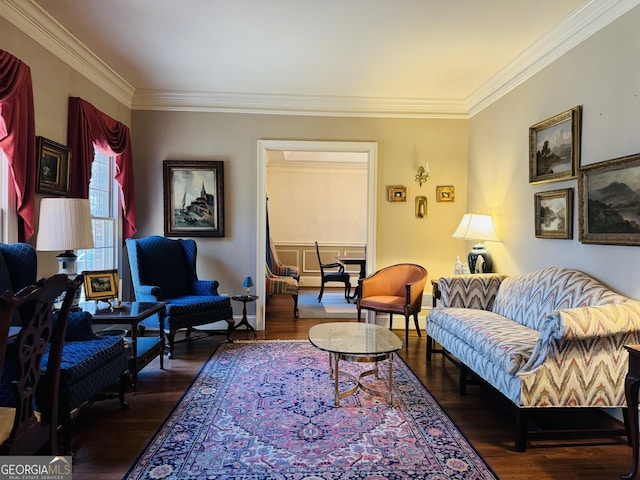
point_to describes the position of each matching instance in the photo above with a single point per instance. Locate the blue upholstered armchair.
(164, 270)
(90, 364)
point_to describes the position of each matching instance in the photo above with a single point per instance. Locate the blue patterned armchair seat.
(552, 338)
(90, 364)
(164, 270)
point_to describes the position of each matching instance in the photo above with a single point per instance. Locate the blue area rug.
(264, 410)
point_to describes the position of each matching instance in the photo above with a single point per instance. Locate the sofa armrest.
(470, 291)
(598, 321)
(205, 287)
(79, 327)
(584, 324)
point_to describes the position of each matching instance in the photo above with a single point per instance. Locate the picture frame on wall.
(609, 201)
(554, 147)
(53, 167)
(445, 193)
(193, 198)
(554, 214)
(397, 193)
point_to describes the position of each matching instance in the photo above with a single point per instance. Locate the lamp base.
(480, 266)
(67, 266)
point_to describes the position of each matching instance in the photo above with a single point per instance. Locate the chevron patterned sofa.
(552, 338)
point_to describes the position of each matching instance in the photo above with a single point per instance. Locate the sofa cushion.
(529, 298)
(505, 343)
(189, 304)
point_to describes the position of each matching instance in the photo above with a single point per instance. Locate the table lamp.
(477, 227)
(248, 283)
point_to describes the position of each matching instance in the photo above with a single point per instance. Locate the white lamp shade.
(474, 226)
(65, 224)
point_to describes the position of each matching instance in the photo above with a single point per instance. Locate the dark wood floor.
(107, 440)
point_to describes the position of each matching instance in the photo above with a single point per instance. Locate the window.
(8, 215)
(105, 213)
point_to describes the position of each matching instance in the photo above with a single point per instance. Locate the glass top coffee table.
(356, 342)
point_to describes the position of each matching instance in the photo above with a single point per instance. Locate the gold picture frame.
(554, 214)
(397, 193)
(53, 167)
(554, 147)
(101, 284)
(608, 203)
(445, 193)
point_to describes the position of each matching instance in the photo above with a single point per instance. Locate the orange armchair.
(394, 289)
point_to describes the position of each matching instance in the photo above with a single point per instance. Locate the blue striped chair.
(164, 270)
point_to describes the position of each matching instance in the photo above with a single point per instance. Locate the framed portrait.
(609, 201)
(445, 193)
(397, 193)
(101, 284)
(193, 198)
(53, 167)
(554, 214)
(554, 147)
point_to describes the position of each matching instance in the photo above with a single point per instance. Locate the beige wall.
(603, 75)
(233, 138)
(53, 83)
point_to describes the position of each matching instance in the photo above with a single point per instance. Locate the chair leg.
(358, 308)
(171, 336)
(321, 291)
(429, 348)
(347, 290)
(406, 330)
(125, 380)
(295, 306)
(415, 320)
(391, 321)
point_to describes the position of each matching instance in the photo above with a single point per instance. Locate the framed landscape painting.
(609, 201)
(554, 147)
(193, 198)
(554, 214)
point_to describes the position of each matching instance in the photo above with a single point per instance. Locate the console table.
(143, 349)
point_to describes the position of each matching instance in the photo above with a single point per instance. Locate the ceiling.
(443, 58)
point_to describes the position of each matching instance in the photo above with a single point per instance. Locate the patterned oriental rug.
(264, 410)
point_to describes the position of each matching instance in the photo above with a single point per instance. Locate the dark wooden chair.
(32, 426)
(327, 275)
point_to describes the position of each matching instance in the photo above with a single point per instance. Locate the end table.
(244, 299)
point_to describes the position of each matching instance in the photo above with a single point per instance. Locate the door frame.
(369, 148)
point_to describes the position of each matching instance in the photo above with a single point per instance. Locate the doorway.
(267, 147)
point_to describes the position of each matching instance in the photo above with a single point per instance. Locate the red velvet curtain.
(18, 137)
(88, 126)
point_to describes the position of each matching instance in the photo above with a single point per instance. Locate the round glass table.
(357, 342)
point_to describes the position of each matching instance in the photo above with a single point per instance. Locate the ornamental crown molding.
(35, 22)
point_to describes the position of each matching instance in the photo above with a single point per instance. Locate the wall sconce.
(423, 174)
(421, 206)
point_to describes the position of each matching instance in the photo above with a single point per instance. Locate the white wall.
(603, 75)
(324, 202)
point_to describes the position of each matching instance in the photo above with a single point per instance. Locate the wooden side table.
(143, 349)
(631, 387)
(244, 299)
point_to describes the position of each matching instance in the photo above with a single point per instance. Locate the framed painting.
(554, 147)
(554, 214)
(397, 193)
(193, 198)
(53, 167)
(609, 201)
(445, 193)
(101, 284)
